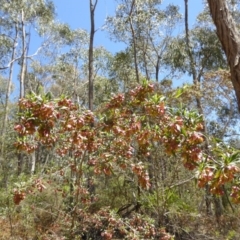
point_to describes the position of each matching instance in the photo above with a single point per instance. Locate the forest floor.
(201, 228)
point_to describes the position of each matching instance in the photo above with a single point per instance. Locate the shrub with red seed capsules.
(121, 134)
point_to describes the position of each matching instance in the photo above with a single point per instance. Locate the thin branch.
(181, 183)
(15, 59)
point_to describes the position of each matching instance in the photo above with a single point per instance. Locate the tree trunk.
(23, 59)
(22, 80)
(144, 51)
(33, 162)
(9, 85)
(91, 76)
(134, 42)
(196, 77)
(90, 64)
(229, 37)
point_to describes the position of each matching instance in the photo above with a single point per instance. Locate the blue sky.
(76, 14)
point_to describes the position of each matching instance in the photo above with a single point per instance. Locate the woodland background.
(140, 143)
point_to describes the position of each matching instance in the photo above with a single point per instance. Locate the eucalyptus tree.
(121, 27)
(18, 19)
(196, 52)
(155, 28)
(22, 16)
(92, 5)
(65, 69)
(146, 28)
(68, 61)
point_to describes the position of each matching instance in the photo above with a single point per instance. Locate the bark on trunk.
(229, 37)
